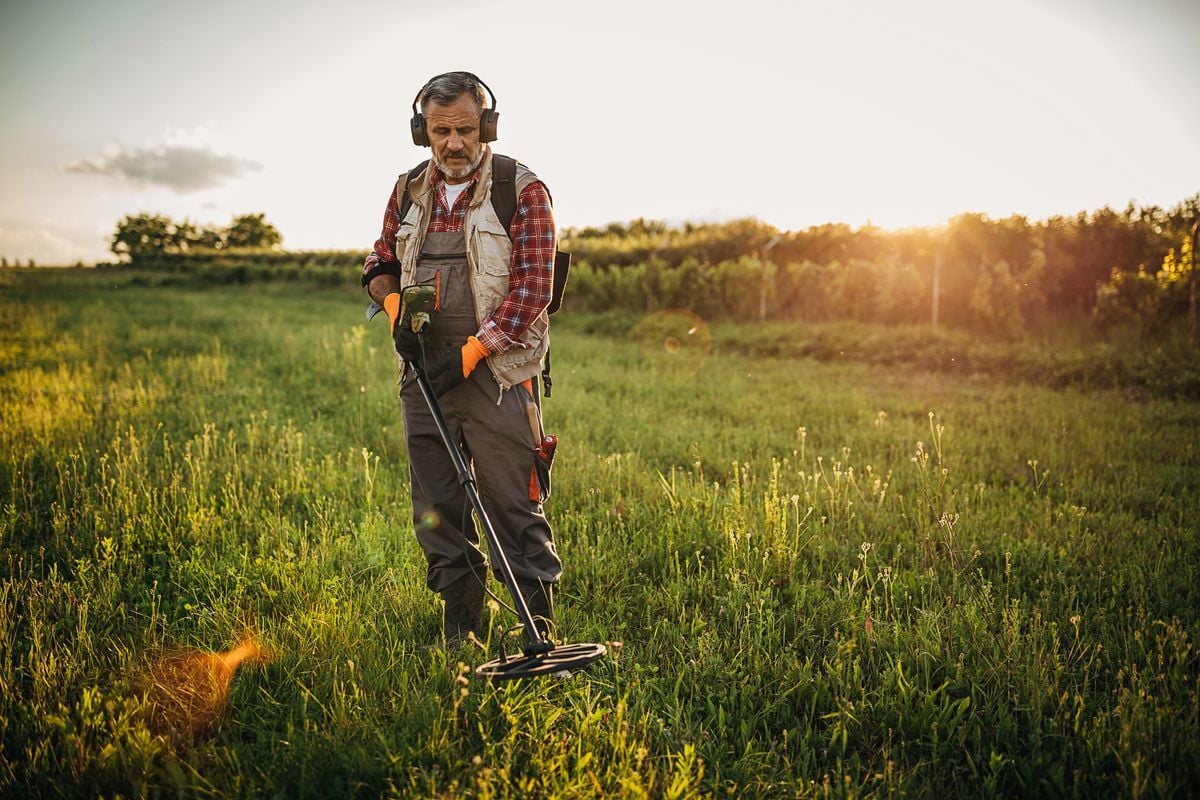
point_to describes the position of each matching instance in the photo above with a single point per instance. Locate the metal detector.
(540, 656)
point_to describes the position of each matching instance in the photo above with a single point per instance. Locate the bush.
(1143, 302)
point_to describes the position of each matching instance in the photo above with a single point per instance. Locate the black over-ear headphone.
(487, 119)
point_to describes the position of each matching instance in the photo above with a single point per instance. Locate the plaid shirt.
(531, 272)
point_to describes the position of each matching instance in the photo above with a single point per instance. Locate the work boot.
(539, 596)
(463, 614)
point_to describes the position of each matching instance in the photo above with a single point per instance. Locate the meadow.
(847, 577)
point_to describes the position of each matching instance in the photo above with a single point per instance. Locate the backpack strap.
(504, 189)
(403, 198)
(403, 203)
(507, 185)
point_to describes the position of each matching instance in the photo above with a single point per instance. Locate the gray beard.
(461, 172)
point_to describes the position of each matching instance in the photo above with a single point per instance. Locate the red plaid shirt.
(531, 273)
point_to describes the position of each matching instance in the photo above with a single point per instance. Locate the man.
(482, 351)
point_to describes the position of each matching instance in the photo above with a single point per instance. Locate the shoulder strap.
(504, 201)
(403, 198)
(507, 184)
(504, 189)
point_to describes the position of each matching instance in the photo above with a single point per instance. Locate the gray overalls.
(497, 439)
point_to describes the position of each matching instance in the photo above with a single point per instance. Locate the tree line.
(1126, 268)
(999, 276)
(140, 239)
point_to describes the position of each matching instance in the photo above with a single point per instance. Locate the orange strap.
(391, 304)
(535, 491)
(472, 353)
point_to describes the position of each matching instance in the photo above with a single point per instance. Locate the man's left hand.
(452, 371)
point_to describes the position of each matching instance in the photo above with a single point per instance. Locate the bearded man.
(481, 353)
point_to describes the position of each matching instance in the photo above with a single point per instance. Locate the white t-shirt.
(453, 190)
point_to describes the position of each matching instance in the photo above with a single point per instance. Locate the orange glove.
(473, 352)
(453, 369)
(391, 304)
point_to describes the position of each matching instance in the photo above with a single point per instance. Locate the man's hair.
(445, 89)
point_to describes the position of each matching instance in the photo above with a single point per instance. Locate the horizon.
(898, 118)
(678, 225)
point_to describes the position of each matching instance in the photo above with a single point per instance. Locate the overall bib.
(497, 440)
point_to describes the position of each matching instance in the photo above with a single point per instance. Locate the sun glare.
(187, 691)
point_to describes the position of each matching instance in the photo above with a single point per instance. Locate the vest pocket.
(492, 247)
(404, 236)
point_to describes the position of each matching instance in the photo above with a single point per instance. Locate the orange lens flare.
(675, 341)
(188, 691)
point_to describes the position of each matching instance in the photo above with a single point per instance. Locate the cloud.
(49, 242)
(177, 165)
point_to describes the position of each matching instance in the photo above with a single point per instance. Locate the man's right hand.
(407, 343)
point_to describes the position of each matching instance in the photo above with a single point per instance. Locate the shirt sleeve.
(384, 251)
(531, 272)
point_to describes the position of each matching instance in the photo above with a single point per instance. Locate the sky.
(798, 113)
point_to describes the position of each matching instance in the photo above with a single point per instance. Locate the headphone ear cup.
(420, 135)
(488, 121)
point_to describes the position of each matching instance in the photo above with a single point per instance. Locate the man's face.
(454, 137)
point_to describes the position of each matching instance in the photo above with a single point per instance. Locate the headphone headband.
(470, 75)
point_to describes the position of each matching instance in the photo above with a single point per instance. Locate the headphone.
(487, 119)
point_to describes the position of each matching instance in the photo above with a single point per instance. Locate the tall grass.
(820, 587)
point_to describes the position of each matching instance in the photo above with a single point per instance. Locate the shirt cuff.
(495, 339)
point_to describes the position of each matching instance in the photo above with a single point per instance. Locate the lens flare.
(187, 691)
(675, 341)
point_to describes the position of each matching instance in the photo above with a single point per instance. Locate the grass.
(829, 578)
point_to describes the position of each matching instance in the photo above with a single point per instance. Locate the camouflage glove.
(407, 343)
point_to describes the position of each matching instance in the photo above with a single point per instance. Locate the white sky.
(898, 113)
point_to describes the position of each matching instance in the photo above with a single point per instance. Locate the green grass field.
(844, 579)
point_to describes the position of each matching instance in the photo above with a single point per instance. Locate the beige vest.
(489, 254)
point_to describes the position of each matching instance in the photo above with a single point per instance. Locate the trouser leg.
(441, 512)
(501, 442)
(498, 441)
